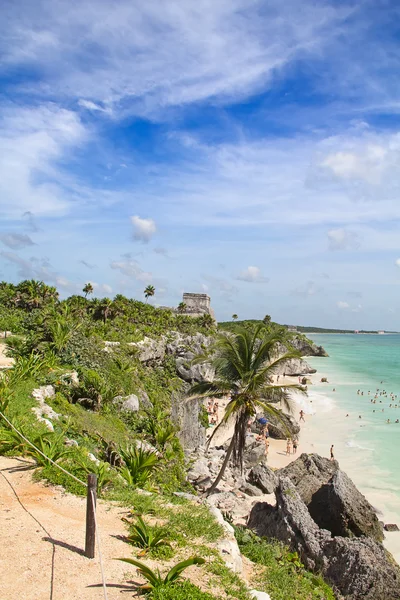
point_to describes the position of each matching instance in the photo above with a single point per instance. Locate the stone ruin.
(197, 305)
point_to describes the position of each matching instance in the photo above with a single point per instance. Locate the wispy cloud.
(16, 241)
(204, 49)
(130, 267)
(343, 239)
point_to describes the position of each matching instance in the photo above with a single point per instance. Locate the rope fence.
(91, 496)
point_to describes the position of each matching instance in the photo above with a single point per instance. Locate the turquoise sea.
(367, 448)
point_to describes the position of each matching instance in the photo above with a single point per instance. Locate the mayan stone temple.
(197, 304)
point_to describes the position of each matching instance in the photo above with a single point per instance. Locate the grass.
(183, 590)
(279, 574)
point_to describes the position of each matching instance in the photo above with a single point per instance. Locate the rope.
(53, 554)
(79, 481)
(40, 452)
(98, 546)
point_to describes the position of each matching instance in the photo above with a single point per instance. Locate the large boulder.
(282, 426)
(361, 569)
(149, 350)
(308, 473)
(307, 348)
(263, 478)
(294, 367)
(333, 500)
(358, 568)
(290, 522)
(254, 451)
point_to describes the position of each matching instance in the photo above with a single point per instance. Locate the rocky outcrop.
(307, 347)
(186, 414)
(44, 413)
(263, 478)
(282, 426)
(333, 500)
(294, 367)
(359, 568)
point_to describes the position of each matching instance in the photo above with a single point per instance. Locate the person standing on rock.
(332, 455)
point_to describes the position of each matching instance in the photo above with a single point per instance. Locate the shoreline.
(326, 424)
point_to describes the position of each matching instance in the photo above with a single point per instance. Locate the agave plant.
(103, 472)
(155, 579)
(10, 440)
(52, 446)
(146, 537)
(139, 465)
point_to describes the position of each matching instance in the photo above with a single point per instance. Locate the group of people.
(379, 397)
(212, 411)
(291, 445)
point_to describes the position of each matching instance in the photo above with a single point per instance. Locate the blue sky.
(244, 148)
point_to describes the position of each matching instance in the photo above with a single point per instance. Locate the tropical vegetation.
(244, 365)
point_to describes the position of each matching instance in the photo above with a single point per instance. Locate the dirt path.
(5, 361)
(42, 532)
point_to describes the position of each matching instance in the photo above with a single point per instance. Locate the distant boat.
(381, 333)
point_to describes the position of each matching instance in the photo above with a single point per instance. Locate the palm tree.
(267, 320)
(87, 289)
(182, 307)
(244, 364)
(235, 317)
(149, 292)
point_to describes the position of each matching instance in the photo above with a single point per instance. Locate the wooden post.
(90, 515)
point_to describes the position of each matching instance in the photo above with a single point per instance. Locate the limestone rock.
(307, 347)
(186, 416)
(250, 490)
(259, 595)
(254, 451)
(230, 553)
(264, 478)
(308, 473)
(283, 426)
(199, 470)
(149, 350)
(295, 367)
(361, 569)
(358, 568)
(333, 500)
(391, 527)
(290, 522)
(44, 413)
(130, 403)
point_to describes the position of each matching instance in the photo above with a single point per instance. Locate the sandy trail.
(42, 534)
(5, 361)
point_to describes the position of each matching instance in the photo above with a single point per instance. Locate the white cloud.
(131, 268)
(204, 49)
(143, 229)
(101, 288)
(252, 275)
(398, 262)
(343, 239)
(32, 140)
(343, 305)
(89, 105)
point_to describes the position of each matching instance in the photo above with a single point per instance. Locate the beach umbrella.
(263, 421)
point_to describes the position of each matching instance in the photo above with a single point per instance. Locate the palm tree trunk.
(223, 468)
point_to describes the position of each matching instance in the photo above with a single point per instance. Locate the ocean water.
(367, 448)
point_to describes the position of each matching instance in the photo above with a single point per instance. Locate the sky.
(247, 149)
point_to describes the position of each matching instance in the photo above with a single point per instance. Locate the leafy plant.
(155, 579)
(146, 537)
(10, 440)
(139, 465)
(52, 446)
(102, 471)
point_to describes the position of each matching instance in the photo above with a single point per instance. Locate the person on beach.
(332, 455)
(266, 447)
(302, 416)
(288, 447)
(295, 446)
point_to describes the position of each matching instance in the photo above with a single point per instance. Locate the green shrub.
(183, 590)
(154, 578)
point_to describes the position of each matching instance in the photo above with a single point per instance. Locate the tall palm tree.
(244, 364)
(182, 307)
(87, 289)
(149, 292)
(234, 317)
